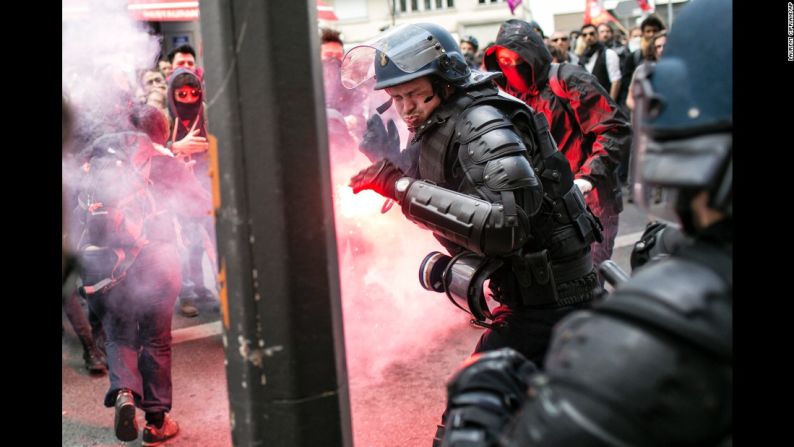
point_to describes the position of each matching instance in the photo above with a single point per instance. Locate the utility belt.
(528, 280)
(542, 282)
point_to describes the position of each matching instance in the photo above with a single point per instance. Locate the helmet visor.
(409, 47)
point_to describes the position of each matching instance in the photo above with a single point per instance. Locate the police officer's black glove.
(484, 394)
(379, 177)
(379, 142)
(658, 241)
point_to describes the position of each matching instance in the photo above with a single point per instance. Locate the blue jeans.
(136, 316)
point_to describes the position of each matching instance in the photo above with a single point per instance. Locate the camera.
(461, 278)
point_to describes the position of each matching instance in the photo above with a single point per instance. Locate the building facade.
(360, 20)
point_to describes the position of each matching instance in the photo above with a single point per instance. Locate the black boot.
(95, 361)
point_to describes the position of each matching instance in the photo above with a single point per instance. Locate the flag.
(513, 4)
(647, 5)
(325, 12)
(594, 14)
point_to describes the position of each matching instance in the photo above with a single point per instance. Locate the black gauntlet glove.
(484, 395)
(659, 240)
(378, 142)
(379, 177)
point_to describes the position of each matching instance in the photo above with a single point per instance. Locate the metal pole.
(669, 13)
(280, 298)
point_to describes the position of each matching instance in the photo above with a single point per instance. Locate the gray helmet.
(403, 54)
(684, 114)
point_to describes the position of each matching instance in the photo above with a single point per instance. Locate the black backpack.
(115, 207)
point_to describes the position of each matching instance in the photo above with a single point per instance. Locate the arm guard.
(496, 166)
(478, 225)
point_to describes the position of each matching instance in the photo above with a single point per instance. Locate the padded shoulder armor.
(681, 297)
(492, 155)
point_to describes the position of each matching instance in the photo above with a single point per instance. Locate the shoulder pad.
(509, 173)
(485, 134)
(681, 297)
(478, 120)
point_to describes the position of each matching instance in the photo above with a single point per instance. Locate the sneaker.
(156, 436)
(94, 361)
(126, 425)
(188, 309)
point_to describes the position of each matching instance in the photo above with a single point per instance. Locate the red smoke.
(388, 316)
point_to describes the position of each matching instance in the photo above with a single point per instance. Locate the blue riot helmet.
(405, 53)
(684, 115)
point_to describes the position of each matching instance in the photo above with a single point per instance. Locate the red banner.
(646, 5)
(163, 10)
(325, 12)
(594, 14)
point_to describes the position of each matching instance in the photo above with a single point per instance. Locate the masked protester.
(589, 128)
(490, 184)
(188, 142)
(652, 365)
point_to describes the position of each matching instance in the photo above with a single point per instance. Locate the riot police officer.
(488, 181)
(652, 364)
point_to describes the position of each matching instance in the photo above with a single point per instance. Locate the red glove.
(379, 177)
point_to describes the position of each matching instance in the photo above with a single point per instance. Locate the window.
(350, 9)
(425, 5)
(485, 2)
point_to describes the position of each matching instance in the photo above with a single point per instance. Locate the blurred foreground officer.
(652, 365)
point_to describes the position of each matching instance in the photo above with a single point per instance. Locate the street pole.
(280, 299)
(669, 13)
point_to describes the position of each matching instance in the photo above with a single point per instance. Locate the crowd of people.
(140, 223)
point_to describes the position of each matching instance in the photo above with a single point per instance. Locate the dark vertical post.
(281, 303)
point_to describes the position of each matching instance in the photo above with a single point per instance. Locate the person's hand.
(504, 372)
(191, 144)
(484, 394)
(379, 177)
(584, 185)
(380, 142)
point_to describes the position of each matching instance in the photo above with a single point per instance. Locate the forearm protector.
(478, 225)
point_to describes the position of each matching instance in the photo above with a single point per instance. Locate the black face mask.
(186, 111)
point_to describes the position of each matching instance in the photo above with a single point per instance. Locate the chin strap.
(384, 107)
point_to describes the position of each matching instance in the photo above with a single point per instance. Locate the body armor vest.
(561, 232)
